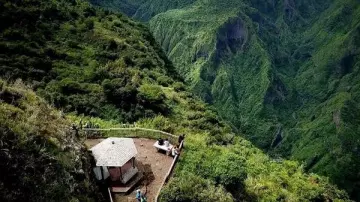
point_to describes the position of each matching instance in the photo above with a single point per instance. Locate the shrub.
(152, 97)
(159, 123)
(178, 86)
(89, 11)
(164, 80)
(69, 86)
(223, 167)
(112, 45)
(73, 44)
(151, 94)
(89, 24)
(119, 91)
(189, 187)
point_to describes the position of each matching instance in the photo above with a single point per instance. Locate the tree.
(188, 187)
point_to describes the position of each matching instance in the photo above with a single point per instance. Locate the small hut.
(115, 158)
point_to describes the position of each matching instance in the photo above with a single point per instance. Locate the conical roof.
(114, 152)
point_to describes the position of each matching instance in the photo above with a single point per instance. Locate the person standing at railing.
(181, 138)
(175, 151)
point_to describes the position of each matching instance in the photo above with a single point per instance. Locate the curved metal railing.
(134, 132)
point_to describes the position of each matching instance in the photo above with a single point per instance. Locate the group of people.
(141, 197)
(175, 150)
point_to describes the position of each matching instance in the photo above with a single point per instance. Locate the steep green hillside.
(82, 59)
(329, 93)
(40, 157)
(281, 72)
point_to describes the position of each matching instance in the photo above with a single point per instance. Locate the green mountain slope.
(101, 65)
(41, 159)
(142, 9)
(79, 58)
(332, 95)
(281, 72)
